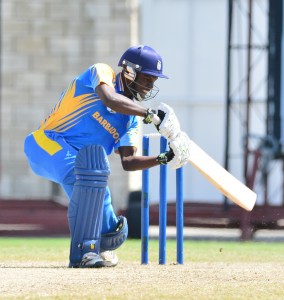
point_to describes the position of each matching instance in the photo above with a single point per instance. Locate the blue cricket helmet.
(143, 59)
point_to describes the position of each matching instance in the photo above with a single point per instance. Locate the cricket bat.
(224, 181)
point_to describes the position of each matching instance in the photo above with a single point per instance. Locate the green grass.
(56, 249)
(26, 249)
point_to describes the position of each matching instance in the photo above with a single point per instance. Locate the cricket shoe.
(89, 260)
(94, 260)
(110, 259)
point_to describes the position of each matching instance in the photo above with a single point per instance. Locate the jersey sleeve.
(131, 137)
(102, 73)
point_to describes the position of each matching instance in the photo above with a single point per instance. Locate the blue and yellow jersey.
(82, 119)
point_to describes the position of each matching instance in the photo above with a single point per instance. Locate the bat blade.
(225, 182)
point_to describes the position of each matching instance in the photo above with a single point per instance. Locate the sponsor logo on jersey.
(69, 155)
(107, 126)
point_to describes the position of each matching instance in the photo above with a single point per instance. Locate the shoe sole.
(97, 265)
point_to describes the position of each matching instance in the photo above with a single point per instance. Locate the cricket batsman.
(95, 115)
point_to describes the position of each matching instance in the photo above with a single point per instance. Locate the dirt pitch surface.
(134, 281)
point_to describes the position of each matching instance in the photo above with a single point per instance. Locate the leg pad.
(86, 205)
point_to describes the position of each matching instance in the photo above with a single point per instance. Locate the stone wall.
(44, 45)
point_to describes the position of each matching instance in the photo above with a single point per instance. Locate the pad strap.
(113, 240)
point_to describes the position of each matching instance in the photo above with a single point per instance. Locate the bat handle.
(156, 120)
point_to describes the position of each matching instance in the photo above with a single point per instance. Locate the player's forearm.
(119, 103)
(135, 163)
(123, 105)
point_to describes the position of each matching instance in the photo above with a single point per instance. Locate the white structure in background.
(192, 39)
(192, 42)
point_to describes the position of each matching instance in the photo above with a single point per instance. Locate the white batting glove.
(181, 148)
(169, 126)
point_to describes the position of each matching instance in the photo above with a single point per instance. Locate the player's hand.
(165, 157)
(169, 126)
(180, 146)
(149, 116)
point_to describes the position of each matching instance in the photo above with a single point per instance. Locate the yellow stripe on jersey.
(69, 110)
(47, 144)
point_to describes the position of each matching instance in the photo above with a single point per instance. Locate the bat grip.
(156, 120)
